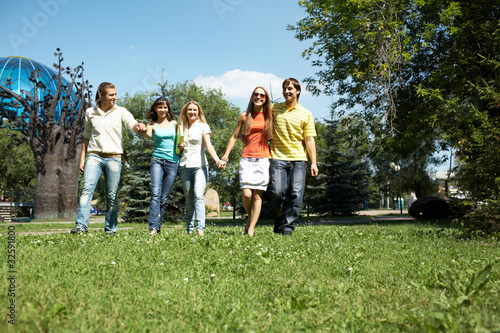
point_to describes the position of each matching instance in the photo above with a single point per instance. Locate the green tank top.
(164, 140)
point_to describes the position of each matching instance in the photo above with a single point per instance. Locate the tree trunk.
(68, 188)
(57, 188)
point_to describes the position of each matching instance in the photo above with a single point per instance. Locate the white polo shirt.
(193, 155)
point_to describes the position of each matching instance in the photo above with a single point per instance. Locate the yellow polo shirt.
(291, 128)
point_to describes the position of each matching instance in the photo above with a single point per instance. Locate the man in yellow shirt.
(293, 138)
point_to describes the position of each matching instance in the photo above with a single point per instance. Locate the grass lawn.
(385, 277)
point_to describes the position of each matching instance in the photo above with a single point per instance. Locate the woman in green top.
(164, 162)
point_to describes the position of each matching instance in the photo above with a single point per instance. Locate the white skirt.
(254, 173)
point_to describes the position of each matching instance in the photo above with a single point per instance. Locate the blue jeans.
(94, 166)
(286, 185)
(194, 181)
(163, 175)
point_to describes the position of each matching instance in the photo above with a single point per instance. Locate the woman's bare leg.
(247, 204)
(255, 211)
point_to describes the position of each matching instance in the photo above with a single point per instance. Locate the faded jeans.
(163, 175)
(287, 183)
(194, 181)
(94, 166)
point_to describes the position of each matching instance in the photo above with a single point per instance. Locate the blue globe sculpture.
(19, 70)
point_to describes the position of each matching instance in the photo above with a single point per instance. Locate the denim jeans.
(163, 175)
(286, 185)
(94, 166)
(194, 181)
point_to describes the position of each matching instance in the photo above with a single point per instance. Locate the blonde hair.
(183, 119)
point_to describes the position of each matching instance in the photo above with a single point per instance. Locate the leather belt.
(106, 155)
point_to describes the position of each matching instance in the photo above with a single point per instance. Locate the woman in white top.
(194, 164)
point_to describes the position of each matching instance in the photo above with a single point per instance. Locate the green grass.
(400, 277)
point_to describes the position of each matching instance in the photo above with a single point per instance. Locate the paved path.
(374, 215)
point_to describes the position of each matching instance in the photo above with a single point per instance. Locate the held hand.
(221, 164)
(314, 170)
(140, 127)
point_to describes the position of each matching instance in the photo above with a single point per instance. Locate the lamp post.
(396, 168)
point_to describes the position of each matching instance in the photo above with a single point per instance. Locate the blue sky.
(234, 44)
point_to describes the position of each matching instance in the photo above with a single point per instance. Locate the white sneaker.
(77, 230)
(153, 232)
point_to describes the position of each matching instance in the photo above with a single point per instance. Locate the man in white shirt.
(102, 140)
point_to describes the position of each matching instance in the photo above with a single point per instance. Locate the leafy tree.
(418, 63)
(17, 167)
(478, 152)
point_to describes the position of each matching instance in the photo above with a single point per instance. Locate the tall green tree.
(341, 188)
(419, 63)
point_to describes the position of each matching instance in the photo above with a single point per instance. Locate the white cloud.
(240, 84)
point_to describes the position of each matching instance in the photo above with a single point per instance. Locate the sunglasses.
(261, 95)
(161, 99)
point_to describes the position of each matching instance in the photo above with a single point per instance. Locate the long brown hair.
(268, 116)
(153, 116)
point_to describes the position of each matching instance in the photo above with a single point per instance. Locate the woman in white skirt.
(255, 128)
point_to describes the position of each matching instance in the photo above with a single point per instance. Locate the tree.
(419, 63)
(341, 188)
(17, 167)
(54, 143)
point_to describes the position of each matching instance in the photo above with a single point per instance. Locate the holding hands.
(140, 127)
(222, 163)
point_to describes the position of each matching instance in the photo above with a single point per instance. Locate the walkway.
(373, 216)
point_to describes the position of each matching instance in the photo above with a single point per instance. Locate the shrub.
(483, 220)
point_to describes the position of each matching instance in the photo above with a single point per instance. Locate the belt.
(106, 155)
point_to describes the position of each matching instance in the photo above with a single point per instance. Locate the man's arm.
(311, 148)
(85, 145)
